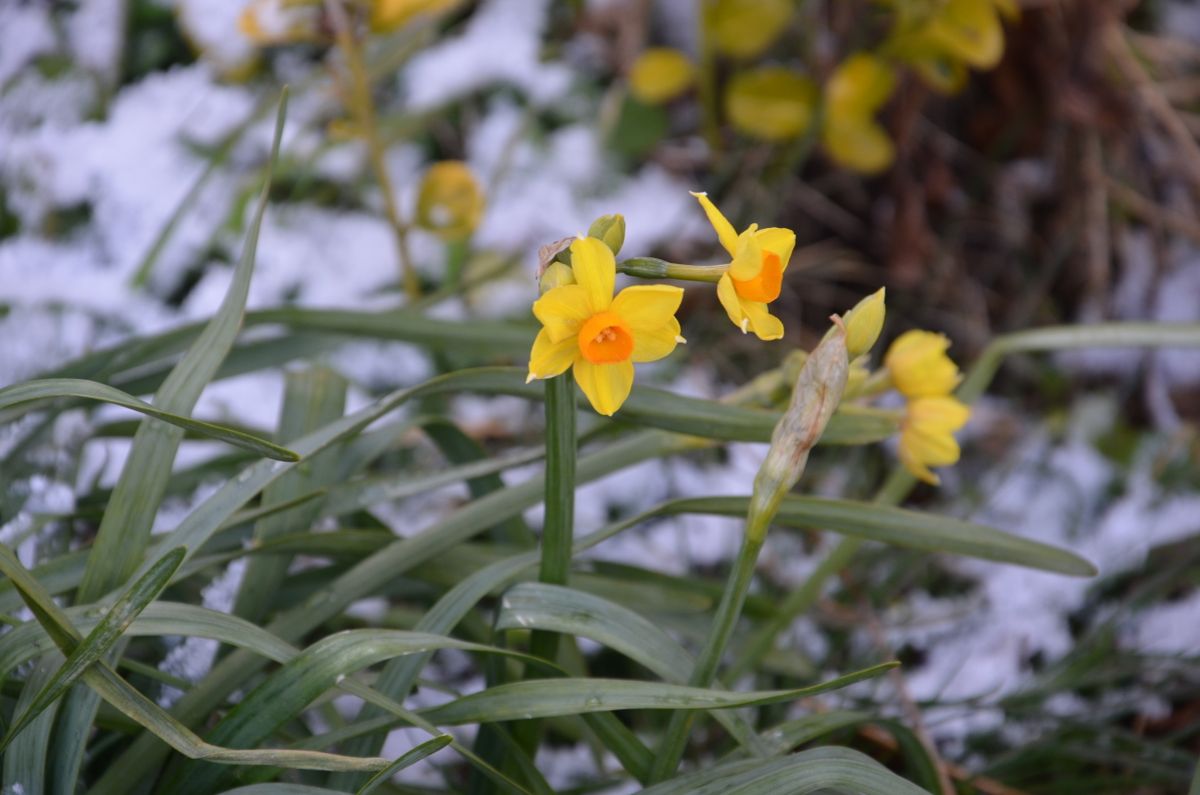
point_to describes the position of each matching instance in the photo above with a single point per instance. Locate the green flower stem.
(558, 527)
(654, 268)
(732, 600)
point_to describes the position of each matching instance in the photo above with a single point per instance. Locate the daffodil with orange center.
(755, 275)
(599, 336)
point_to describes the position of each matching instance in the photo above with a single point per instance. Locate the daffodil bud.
(818, 391)
(863, 324)
(450, 201)
(555, 275)
(611, 230)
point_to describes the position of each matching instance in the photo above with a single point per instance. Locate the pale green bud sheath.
(819, 388)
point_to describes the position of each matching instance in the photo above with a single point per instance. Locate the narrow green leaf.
(281, 789)
(905, 528)
(540, 698)
(106, 633)
(409, 758)
(90, 390)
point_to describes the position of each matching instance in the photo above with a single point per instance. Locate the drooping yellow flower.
(597, 335)
(941, 43)
(660, 74)
(450, 201)
(771, 103)
(919, 366)
(927, 435)
(746, 28)
(855, 91)
(755, 275)
(389, 15)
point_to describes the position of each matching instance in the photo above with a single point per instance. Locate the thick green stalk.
(655, 268)
(558, 528)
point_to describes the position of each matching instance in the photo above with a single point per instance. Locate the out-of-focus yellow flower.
(450, 201)
(598, 336)
(389, 15)
(755, 275)
(941, 43)
(746, 28)
(919, 366)
(660, 74)
(771, 103)
(864, 322)
(273, 22)
(927, 435)
(855, 91)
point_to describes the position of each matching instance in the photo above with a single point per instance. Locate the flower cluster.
(599, 336)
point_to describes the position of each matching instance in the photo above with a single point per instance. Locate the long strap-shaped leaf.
(50, 389)
(541, 698)
(837, 769)
(115, 690)
(110, 628)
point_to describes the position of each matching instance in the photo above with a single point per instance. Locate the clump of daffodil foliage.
(457, 554)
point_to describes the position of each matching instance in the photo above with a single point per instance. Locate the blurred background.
(998, 165)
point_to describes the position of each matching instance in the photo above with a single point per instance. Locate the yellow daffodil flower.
(755, 275)
(854, 93)
(919, 366)
(660, 74)
(745, 28)
(450, 201)
(941, 44)
(600, 336)
(771, 103)
(927, 435)
(389, 15)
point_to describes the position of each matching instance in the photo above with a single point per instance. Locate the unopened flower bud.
(818, 391)
(555, 275)
(611, 230)
(450, 201)
(863, 324)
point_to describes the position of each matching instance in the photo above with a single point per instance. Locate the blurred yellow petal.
(941, 73)
(746, 28)
(919, 366)
(595, 271)
(562, 311)
(606, 385)
(660, 74)
(450, 201)
(970, 31)
(860, 145)
(859, 86)
(926, 435)
(724, 229)
(548, 359)
(389, 15)
(771, 103)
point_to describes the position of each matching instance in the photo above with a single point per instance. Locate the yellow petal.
(780, 242)
(764, 325)
(970, 31)
(771, 103)
(859, 86)
(917, 467)
(548, 359)
(660, 74)
(727, 295)
(864, 322)
(938, 414)
(746, 28)
(934, 448)
(606, 385)
(595, 271)
(649, 310)
(747, 262)
(860, 145)
(919, 366)
(562, 310)
(724, 229)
